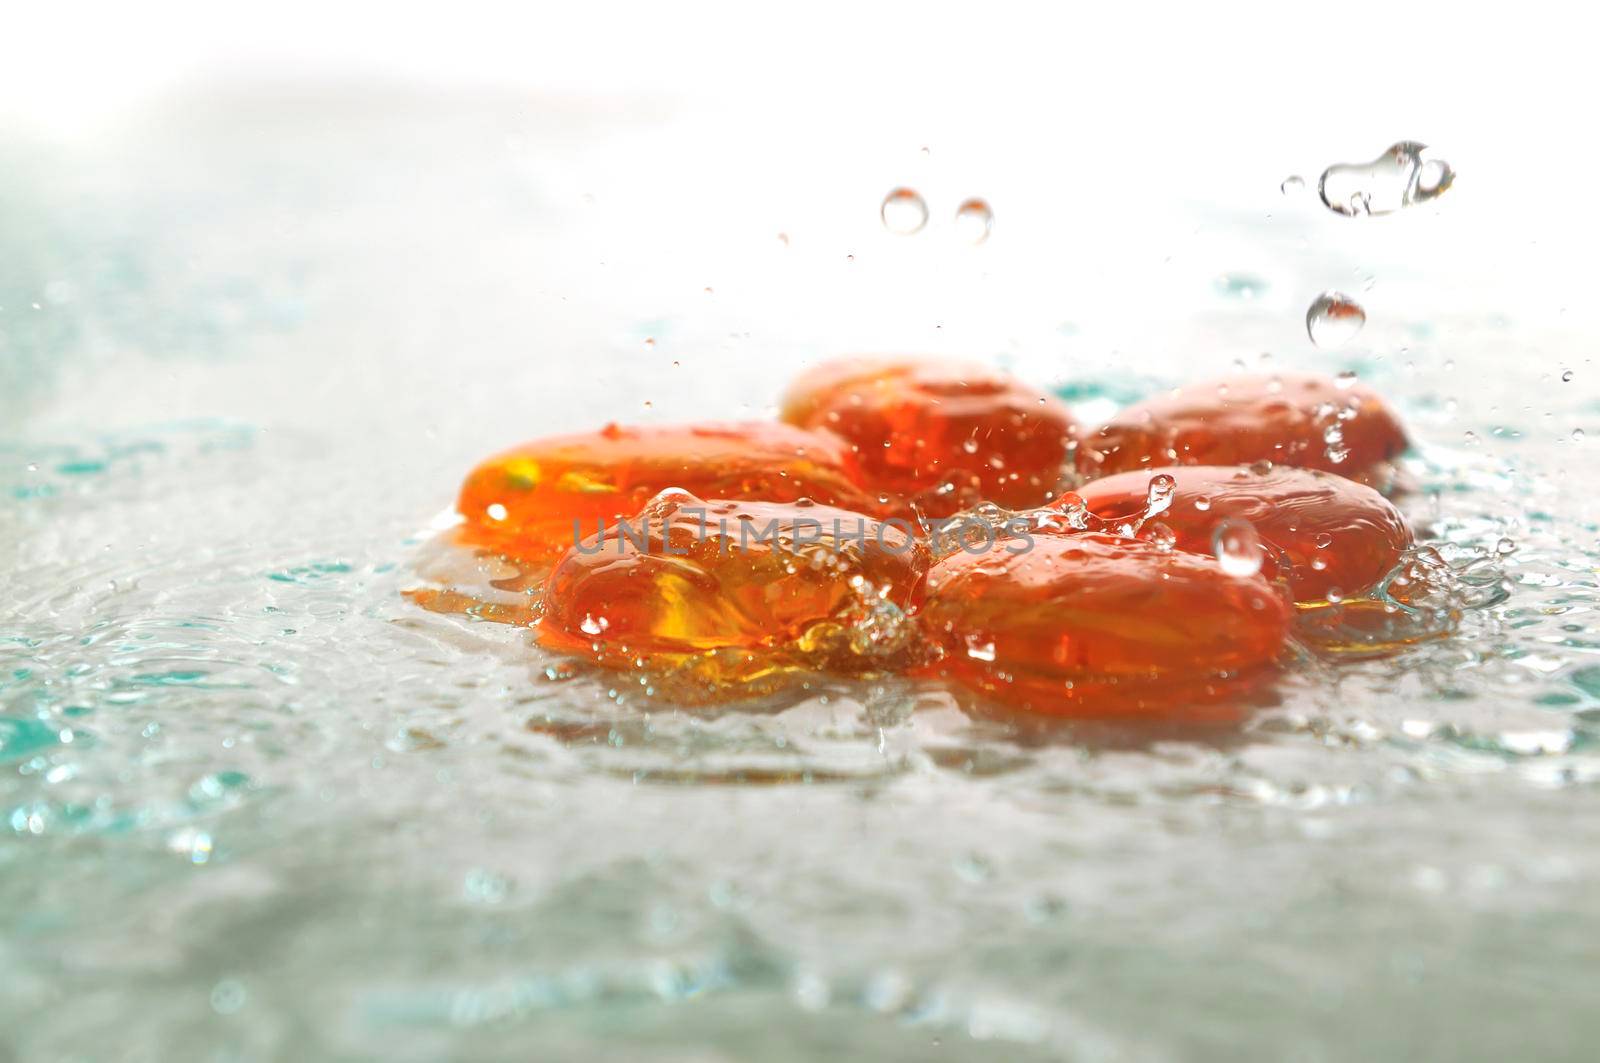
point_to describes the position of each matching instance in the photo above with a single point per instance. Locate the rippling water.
(254, 804)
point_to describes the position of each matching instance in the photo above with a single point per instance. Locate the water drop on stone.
(974, 220)
(1238, 547)
(903, 212)
(1334, 319)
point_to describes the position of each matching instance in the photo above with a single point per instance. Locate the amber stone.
(1322, 533)
(537, 500)
(1305, 421)
(1098, 625)
(937, 437)
(780, 583)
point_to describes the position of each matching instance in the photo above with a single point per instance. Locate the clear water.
(255, 805)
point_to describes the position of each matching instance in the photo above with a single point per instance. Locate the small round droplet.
(903, 212)
(1292, 185)
(496, 511)
(1238, 548)
(1577, 435)
(1566, 378)
(1202, 503)
(974, 220)
(1334, 319)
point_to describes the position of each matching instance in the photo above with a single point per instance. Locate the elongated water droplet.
(1238, 547)
(1398, 178)
(1334, 319)
(903, 212)
(974, 220)
(1158, 498)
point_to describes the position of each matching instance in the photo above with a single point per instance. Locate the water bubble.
(903, 212)
(1398, 178)
(1158, 498)
(974, 220)
(1566, 378)
(1202, 503)
(228, 996)
(593, 625)
(1333, 319)
(1292, 185)
(1238, 547)
(1577, 435)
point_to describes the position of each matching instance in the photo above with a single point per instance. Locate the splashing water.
(1334, 319)
(1398, 178)
(903, 212)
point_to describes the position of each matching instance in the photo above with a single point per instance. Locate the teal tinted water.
(254, 805)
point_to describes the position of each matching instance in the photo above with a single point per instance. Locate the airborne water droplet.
(903, 212)
(1238, 547)
(974, 220)
(1398, 178)
(1334, 319)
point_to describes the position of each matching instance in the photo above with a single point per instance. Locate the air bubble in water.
(974, 220)
(903, 212)
(1238, 547)
(1292, 185)
(1334, 319)
(1398, 178)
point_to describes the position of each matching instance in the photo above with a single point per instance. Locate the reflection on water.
(256, 803)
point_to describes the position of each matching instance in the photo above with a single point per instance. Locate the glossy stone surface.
(1322, 532)
(810, 583)
(1097, 625)
(937, 437)
(1306, 421)
(525, 502)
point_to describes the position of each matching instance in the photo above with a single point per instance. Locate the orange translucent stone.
(1310, 422)
(939, 436)
(1098, 625)
(1323, 532)
(687, 580)
(528, 501)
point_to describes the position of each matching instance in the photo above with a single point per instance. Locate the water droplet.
(1333, 319)
(1398, 178)
(649, 343)
(1238, 547)
(903, 212)
(1577, 435)
(1566, 378)
(1323, 540)
(1202, 503)
(1345, 380)
(1292, 185)
(496, 511)
(228, 996)
(593, 625)
(974, 220)
(1158, 498)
